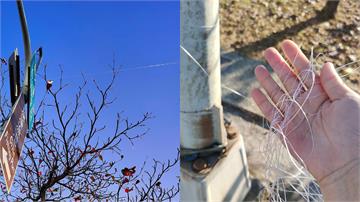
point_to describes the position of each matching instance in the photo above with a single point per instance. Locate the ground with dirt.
(250, 26)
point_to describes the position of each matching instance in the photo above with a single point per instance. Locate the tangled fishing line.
(290, 176)
(285, 171)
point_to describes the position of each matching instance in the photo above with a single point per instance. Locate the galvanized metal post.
(200, 91)
(213, 167)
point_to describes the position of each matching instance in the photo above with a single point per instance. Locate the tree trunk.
(43, 196)
(329, 10)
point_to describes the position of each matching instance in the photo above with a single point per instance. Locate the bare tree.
(4, 102)
(65, 156)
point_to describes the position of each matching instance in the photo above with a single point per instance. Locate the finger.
(264, 104)
(332, 83)
(297, 58)
(271, 87)
(282, 70)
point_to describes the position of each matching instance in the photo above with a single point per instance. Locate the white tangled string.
(286, 172)
(290, 176)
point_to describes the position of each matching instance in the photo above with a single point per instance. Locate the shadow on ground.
(327, 13)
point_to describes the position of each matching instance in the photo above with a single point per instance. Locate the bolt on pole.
(201, 117)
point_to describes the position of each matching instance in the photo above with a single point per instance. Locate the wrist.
(343, 184)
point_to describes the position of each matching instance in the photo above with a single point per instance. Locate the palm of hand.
(329, 142)
(318, 132)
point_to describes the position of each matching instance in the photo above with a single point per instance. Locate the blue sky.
(84, 36)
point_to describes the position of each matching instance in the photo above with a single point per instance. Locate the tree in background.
(329, 10)
(65, 157)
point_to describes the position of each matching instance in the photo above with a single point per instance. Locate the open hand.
(317, 113)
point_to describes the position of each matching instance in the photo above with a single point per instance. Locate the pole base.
(224, 177)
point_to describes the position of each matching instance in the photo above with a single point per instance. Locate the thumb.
(333, 85)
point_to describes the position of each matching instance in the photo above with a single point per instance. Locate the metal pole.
(27, 46)
(201, 119)
(213, 168)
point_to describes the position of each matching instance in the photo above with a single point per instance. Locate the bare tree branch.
(65, 154)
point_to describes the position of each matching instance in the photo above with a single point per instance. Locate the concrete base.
(227, 180)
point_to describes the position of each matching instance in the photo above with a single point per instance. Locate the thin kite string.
(207, 74)
(272, 151)
(122, 69)
(278, 175)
